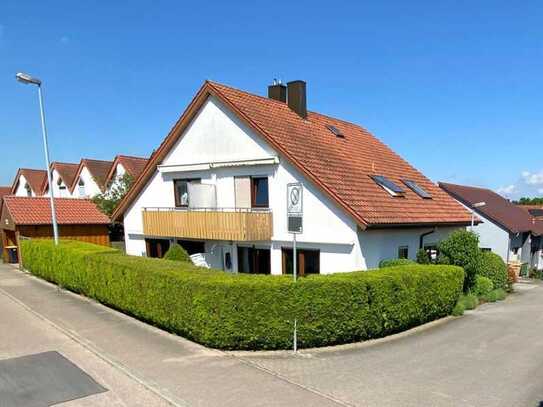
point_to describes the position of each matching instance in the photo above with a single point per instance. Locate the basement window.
(416, 188)
(388, 185)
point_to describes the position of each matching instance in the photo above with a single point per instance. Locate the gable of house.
(341, 167)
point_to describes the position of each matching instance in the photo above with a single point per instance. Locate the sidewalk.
(166, 366)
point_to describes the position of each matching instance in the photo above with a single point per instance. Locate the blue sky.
(455, 87)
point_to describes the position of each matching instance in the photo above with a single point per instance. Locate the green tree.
(109, 200)
(461, 248)
(529, 201)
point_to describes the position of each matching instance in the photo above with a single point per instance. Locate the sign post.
(295, 226)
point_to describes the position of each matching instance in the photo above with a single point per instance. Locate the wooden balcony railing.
(210, 224)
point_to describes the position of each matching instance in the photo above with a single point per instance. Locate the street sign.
(295, 209)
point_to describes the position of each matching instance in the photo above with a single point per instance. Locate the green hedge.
(493, 267)
(394, 262)
(230, 311)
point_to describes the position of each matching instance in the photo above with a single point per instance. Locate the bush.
(469, 301)
(458, 309)
(493, 267)
(461, 248)
(483, 286)
(236, 311)
(422, 257)
(500, 294)
(492, 296)
(177, 253)
(395, 262)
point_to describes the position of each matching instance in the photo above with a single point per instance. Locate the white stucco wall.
(65, 193)
(21, 187)
(91, 187)
(493, 237)
(217, 135)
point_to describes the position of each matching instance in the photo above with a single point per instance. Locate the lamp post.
(29, 80)
(475, 205)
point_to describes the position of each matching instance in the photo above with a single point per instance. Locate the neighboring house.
(4, 191)
(29, 182)
(91, 178)
(124, 164)
(218, 185)
(78, 219)
(535, 210)
(506, 229)
(63, 176)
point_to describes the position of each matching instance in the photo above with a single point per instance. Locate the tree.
(529, 201)
(461, 248)
(108, 201)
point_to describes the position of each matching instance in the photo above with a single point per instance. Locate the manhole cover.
(43, 379)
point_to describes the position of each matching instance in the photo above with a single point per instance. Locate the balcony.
(209, 224)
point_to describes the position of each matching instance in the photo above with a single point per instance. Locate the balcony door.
(252, 192)
(308, 261)
(157, 247)
(254, 261)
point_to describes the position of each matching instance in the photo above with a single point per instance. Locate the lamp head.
(27, 79)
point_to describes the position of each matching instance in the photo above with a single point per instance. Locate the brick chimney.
(277, 91)
(297, 97)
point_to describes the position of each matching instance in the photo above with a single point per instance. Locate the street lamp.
(475, 205)
(29, 80)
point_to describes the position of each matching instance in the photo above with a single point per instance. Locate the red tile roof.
(66, 171)
(99, 170)
(37, 179)
(341, 167)
(498, 209)
(37, 211)
(134, 166)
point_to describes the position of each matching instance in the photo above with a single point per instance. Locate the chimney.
(297, 97)
(277, 91)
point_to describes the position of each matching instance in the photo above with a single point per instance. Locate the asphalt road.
(489, 357)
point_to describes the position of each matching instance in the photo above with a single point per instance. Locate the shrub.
(236, 311)
(469, 301)
(422, 257)
(177, 253)
(461, 248)
(483, 286)
(395, 262)
(493, 267)
(535, 273)
(458, 309)
(492, 296)
(500, 294)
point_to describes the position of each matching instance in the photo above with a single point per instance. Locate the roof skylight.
(388, 185)
(337, 132)
(416, 188)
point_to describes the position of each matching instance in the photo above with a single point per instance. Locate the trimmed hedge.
(394, 263)
(493, 267)
(234, 311)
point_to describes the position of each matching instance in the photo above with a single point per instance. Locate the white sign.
(295, 199)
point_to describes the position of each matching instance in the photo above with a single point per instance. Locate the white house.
(125, 164)
(506, 229)
(91, 178)
(29, 182)
(218, 186)
(63, 176)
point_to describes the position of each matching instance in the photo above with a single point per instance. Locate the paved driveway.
(490, 357)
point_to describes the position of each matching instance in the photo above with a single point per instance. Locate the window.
(403, 252)
(416, 188)
(81, 185)
(259, 192)
(388, 185)
(28, 190)
(254, 261)
(308, 261)
(181, 191)
(61, 187)
(337, 132)
(156, 247)
(486, 249)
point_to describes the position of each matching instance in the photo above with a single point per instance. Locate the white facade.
(216, 135)
(60, 189)
(85, 186)
(24, 188)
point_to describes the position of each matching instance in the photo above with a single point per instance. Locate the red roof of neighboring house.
(340, 167)
(37, 179)
(134, 166)
(99, 170)
(535, 210)
(496, 208)
(69, 211)
(3, 192)
(66, 171)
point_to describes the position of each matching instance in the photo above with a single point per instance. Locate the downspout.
(423, 235)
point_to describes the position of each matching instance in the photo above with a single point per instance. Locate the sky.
(454, 87)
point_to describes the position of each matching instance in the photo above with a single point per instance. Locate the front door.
(157, 247)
